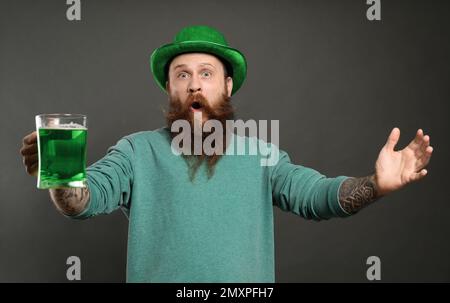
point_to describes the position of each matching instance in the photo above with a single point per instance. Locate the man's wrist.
(356, 193)
(379, 192)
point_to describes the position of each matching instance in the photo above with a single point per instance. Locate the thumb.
(393, 139)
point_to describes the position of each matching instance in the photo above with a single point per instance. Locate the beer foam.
(70, 125)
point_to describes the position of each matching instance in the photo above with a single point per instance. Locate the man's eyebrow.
(179, 65)
(206, 63)
(184, 65)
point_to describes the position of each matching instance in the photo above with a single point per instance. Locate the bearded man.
(198, 217)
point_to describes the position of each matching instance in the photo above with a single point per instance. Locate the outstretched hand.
(395, 169)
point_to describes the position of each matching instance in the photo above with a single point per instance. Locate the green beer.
(62, 157)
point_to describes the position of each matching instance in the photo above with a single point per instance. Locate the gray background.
(337, 82)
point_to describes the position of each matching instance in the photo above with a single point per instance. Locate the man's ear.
(167, 86)
(229, 84)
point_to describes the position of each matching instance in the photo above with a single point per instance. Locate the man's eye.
(206, 74)
(182, 75)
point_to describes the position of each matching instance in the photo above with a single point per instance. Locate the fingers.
(29, 152)
(417, 176)
(32, 170)
(424, 150)
(30, 160)
(419, 135)
(425, 158)
(417, 141)
(393, 138)
(30, 138)
(425, 141)
(420, 141)
(428, 151)
(31, 164)
(29, 149)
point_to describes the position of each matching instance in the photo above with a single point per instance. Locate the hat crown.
(200, 33)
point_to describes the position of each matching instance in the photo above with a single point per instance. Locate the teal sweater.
(216, 230)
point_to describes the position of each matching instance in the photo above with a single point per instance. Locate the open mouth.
(196, 105)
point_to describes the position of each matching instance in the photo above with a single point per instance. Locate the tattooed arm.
(393, 170)
(70, 201)
(356, 193)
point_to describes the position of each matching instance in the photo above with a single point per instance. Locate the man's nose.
(194, 86)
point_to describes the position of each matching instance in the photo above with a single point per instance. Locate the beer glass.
(61, 142)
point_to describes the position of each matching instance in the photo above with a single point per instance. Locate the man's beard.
(222, 111)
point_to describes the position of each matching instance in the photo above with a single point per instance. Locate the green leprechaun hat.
(202, 39)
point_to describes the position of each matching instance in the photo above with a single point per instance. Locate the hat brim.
(164, 54)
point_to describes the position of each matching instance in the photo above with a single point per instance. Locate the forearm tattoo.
(356, 193)
(70, 201)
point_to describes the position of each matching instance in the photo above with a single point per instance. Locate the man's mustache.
(197, 101)
(183, 110)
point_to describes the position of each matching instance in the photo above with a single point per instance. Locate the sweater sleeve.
(110, 181)
(305, 191)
